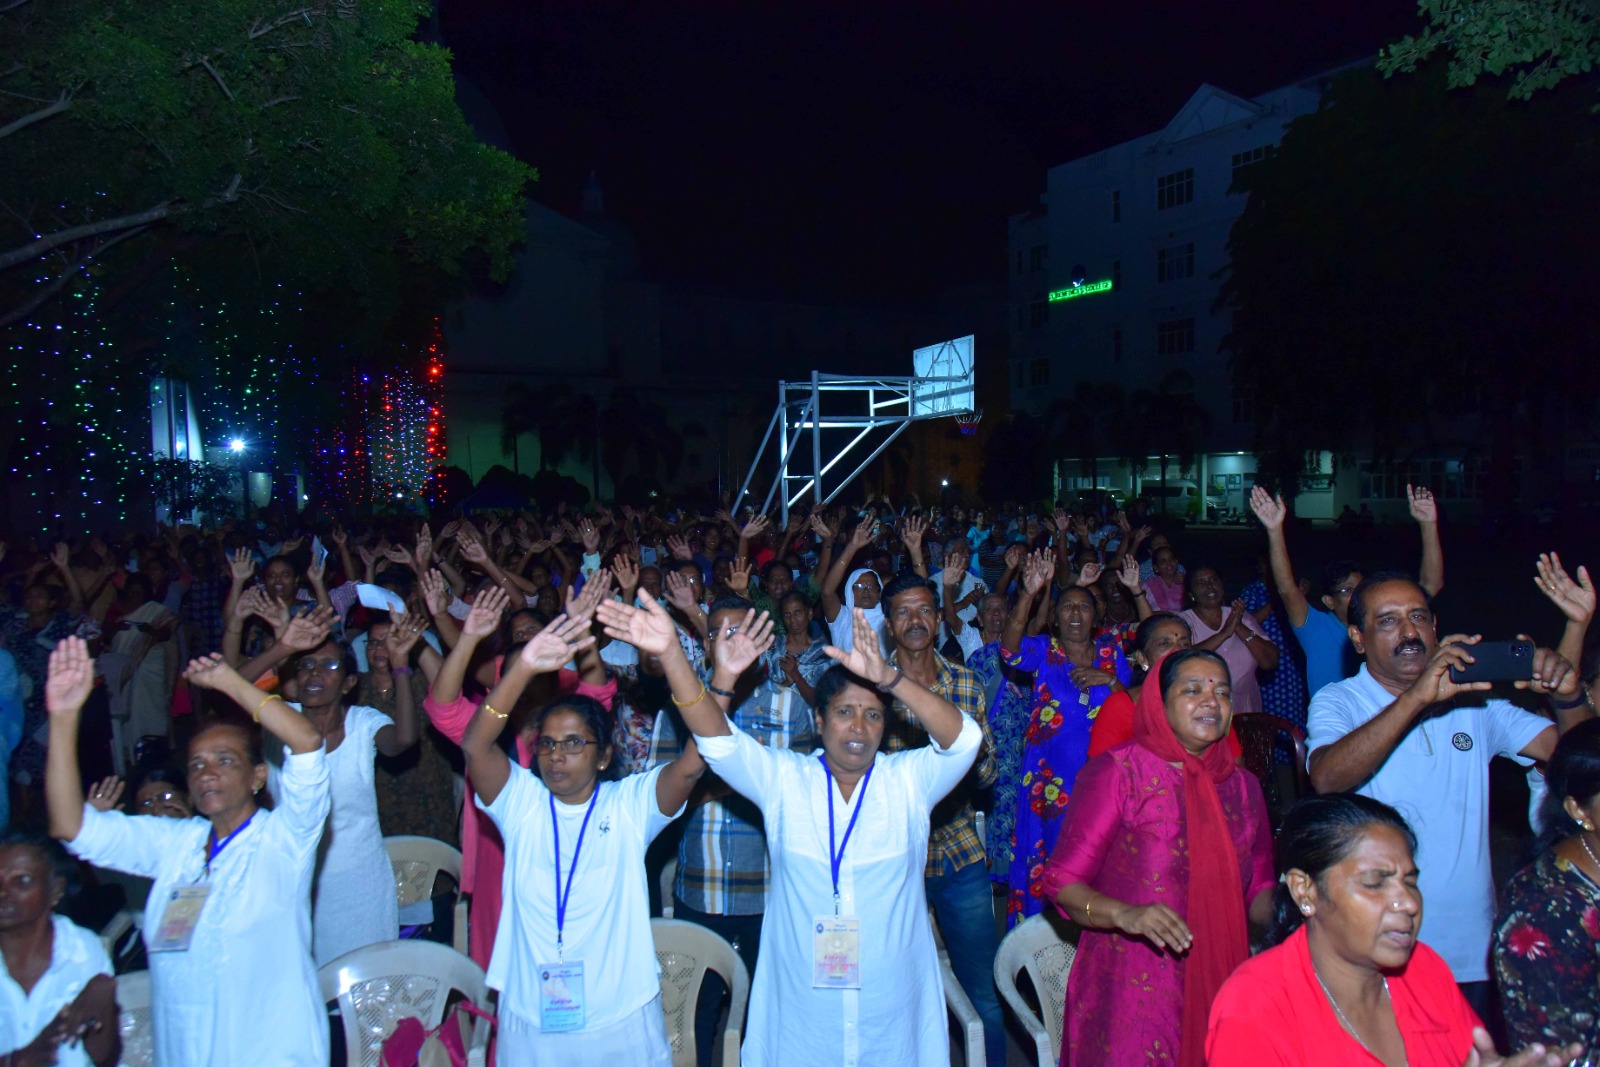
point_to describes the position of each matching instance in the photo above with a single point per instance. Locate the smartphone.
(1497, 661)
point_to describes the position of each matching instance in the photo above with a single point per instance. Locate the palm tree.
(1079, 424)
(518, 416)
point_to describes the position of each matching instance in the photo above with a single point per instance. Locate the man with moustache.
(957, 874)
(1402, 732)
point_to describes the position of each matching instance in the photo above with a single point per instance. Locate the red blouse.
(1272, 1012)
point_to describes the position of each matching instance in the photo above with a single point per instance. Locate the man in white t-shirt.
(1402, 732)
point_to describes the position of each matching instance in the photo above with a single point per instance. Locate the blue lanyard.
(836, 858)
(562, 898)
(214, 847)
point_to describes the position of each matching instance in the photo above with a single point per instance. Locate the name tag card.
(560, 997)
(836, 953)
(179, 919)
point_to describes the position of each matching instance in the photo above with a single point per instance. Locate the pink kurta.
(483, 853)
(1241, 661)
(1125, 837)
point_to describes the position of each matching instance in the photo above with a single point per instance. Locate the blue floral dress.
(1008, 706)
(1056, 745)
(1283, 692)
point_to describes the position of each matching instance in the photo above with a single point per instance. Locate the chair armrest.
(478, 1051)
(458, 935)
(960, 1005)
(1030, 1021)
(731, 1038)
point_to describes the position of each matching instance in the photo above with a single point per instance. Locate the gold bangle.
(256, 715)
(1088, 911)
(692, 700)
(496, 714)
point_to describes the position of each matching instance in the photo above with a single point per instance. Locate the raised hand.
(1014, 556)
(680, 592)
(424, 550)
(955, 568)
(1090, 574)
(241, 565)
(70, 677)
(626, 572)
(679, 548)
(821, 529)
(646, 627)
(1423, 507)
(339, 537)
(105, 793)
(596, 589)
(472, 548)
(915, 529)
(740, 646)
(60, 555)
(1062, 520)
(209, 672)
(1128, 575)
(1575, 599)
(554, 646)
(863, 534)
(434, 593)
(1038, 571)
(1435, 685)
(484, 618)
(310, 631)
(590, 535)
(403, 637)
(290, 545)
(1268, 508)
(368, 558)
(865, 659)
(754, 528)
(739, 576)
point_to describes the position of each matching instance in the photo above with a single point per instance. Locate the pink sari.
(483, 853)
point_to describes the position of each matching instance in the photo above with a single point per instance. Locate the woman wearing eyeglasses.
(353, 900)
(573, 958)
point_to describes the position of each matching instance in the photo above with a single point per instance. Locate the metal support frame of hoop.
(890, 401)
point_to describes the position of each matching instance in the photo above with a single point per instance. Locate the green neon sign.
(1072, 291)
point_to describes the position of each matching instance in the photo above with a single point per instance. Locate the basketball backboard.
(948, 359)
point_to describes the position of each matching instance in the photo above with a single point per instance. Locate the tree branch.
(55, 240)
(63, 103)
(205, 62)
(11, 5)
(54, 286)
(261, 29)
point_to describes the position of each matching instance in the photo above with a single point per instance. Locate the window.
(1174, 189)
(1038, 258)
(1244, 404)
(1039, 372)
(1174, 337)
(1116, 275)
(1450, 479)
(1241, 160)
(1039, 314)
(1175, 262)
(1116, 205)
(1116, 345)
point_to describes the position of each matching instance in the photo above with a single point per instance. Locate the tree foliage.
(315, 137)
(1537, 42)
(1413, 257)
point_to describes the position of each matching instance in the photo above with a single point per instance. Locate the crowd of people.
(836, 727)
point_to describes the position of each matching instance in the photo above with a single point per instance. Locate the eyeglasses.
(1344, 590)
(308, 664)
(571, 745)
(159, 798)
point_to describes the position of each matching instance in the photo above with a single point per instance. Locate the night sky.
(869, 152)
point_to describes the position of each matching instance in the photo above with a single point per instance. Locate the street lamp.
(236, 445)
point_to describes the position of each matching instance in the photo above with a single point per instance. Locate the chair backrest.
(1258, 734)
(1037, 946)
(134, 1021)
(378, 985)
(417, 861)
(686, 951)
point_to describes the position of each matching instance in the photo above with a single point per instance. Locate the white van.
(1181, 497)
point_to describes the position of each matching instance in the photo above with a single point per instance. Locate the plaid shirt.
(954, 840)
(722, 859)
(202, 611)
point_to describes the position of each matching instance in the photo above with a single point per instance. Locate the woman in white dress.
(232, 892)
(849, 973)
(353, 902)
(573, 957)
(57, 1000)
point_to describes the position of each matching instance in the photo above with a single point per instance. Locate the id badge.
(560, 997)
(836, 953)
(179, 919)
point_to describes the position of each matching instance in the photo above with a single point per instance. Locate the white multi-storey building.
(1115, 278)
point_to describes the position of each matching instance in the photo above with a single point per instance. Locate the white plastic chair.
(1039, 946)
(134, 1021)
(686, 951)
(960, 1005)
(417, 861)
(118, 927)
(669, 878)
(378, 985)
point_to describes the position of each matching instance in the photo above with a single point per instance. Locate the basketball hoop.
(968, 421)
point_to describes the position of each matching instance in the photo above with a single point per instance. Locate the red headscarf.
(1216, 898)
